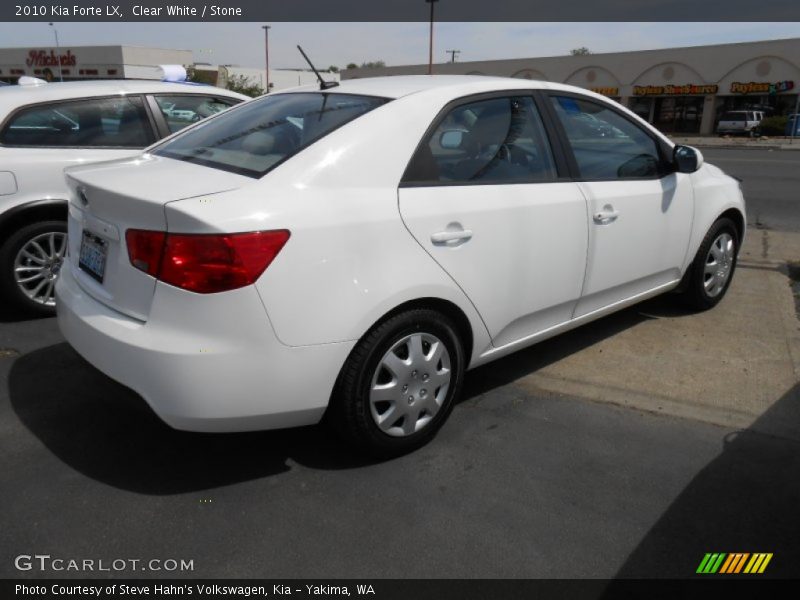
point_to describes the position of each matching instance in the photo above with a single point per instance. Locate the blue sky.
(394, 43)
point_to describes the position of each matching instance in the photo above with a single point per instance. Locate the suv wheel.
(30, 261)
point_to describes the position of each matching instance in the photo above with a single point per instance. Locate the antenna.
(323, 85)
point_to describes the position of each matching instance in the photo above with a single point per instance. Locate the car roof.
(14, 96)
(398, 86)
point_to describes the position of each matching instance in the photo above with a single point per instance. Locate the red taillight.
(145, 249)
(205, 263)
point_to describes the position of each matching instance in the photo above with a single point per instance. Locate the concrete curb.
(746, 145)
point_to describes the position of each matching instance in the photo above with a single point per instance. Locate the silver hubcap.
(410, 384)
(37, 264)
(719, 264)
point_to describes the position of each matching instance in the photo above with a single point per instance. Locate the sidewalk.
(739, 142)
(726, 366)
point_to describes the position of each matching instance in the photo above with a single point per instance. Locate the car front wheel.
(399, 383)
(711, 272)
(30, 261)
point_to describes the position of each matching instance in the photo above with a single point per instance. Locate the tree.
(244, 85)
(333, 69)
(373, 64)
(582, 51)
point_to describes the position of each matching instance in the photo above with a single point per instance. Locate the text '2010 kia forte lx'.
(349, 251)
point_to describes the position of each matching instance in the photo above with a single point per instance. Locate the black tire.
(694, 290)
(9, 289)
(350, 409)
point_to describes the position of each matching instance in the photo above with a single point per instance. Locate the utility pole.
(266, 29)
(453, 54)
(58, 55)
(430, 48)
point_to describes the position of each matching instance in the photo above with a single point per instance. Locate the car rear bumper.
(203, 362)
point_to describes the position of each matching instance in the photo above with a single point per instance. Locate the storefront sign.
(690, 89)
(755, 87)
(43, 58)
(605, 91)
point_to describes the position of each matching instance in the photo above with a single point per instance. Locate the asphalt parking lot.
(629, 447)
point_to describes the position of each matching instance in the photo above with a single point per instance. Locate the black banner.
(409, 589)
(400, 10)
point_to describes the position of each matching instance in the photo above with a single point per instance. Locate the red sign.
(43, 58)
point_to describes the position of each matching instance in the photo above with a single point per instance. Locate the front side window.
(499, 140)
(606, 145)
(258, 136)
(119, 122)
(181, 110)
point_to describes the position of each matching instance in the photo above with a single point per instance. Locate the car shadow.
(107, 432)
(745, 500)
(11, 314)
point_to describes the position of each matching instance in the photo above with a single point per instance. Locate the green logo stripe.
(706, 558)
(718, 564)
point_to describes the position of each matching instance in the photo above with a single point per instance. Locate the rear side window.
(605, 144)
(258, 136)
(499, 140)
(119, 122)
(182, 109)
(733, 116)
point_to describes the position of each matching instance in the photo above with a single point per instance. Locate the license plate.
(93, 253)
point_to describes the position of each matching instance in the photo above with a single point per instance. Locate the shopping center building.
(134, 62)
(72, 63)
(680, 90)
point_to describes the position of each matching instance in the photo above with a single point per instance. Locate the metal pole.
(430, 48)
(58, 55)
(796, 118)
(266, 29)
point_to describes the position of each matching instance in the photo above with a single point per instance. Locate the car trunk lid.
(108, 199)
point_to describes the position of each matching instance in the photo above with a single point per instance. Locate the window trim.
(150, 122)
(562, 171)
(664, 152)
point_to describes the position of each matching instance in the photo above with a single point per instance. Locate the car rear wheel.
(711, 272)
(29, 265)
(399, 383)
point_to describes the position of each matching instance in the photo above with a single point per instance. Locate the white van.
(740, 122)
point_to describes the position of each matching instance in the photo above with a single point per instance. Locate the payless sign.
(755, 87)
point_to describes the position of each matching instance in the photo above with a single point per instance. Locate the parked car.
(45, 127)
(349, 252)
(740, 122)
(793, 123)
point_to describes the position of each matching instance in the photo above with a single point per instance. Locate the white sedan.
(348, 252)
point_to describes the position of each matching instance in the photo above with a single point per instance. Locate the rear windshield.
(259, 135)
(734, 116)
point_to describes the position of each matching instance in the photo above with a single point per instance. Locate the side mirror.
(687, 159)
(452, 139)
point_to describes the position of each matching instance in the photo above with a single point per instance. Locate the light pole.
(430, 48)
(266, 29)
(58, 55)
(453, 54)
